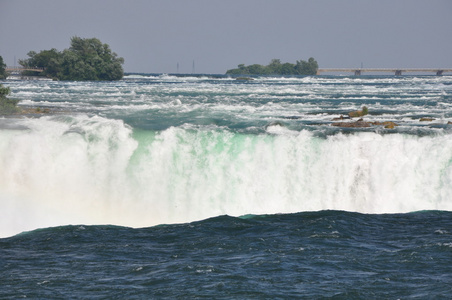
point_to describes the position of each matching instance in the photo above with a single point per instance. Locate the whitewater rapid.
(85, 169)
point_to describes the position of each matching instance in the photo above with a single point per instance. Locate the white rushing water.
(163, 149)
(92, 170)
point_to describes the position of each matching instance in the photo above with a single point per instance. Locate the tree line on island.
(3, 73)
(275, 67)
(86, 59)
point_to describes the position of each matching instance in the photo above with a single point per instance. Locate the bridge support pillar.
(398, 72)
(357, 72)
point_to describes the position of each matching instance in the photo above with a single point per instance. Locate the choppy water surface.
(326, 254)
(159, 102)
(159, 149)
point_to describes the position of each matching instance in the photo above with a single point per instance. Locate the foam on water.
(93, 170)
(202, 146)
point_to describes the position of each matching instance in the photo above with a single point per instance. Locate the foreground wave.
(304, 255)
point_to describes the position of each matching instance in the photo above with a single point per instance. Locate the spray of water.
(91, 170)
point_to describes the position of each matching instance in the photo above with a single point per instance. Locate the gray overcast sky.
(154, 35)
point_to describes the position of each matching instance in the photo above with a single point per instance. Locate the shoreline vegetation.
(85, 60)
(275, 67)
(3, 73)
(9, 106)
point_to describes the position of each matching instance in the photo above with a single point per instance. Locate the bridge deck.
(20, 69)
(396, 71)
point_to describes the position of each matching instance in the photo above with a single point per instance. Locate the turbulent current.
(162, 149)
(158, 149)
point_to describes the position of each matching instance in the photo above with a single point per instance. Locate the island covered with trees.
(275, 67)
(86, 59)
(3, 73)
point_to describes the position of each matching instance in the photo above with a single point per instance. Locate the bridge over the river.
(359, 71)
(18, 70)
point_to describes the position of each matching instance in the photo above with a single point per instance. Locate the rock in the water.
(362, 124)
(341, 118)
(357, 124)
(390, 125)
(426, 119)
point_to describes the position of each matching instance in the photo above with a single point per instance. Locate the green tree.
(307, 67)
(275, 67)
(3, 73)
(28, 63)
(257, 69)
(7, 106)
(93, 61)
(49, 60)
(86, 59)
(240, 70)
(287, 69)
